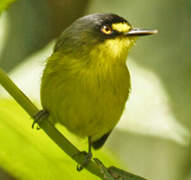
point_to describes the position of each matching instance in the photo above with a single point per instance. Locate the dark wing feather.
(100, 142)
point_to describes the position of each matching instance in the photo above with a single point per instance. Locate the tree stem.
(46, 126)
(58, 138)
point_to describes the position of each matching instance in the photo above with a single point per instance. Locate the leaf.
(4, 4)
(30, 154)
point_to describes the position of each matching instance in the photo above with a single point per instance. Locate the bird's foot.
(38, 118)
(87, 159)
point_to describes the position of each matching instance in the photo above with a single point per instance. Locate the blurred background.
(153, 136)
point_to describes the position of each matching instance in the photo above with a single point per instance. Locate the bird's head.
(106, 35)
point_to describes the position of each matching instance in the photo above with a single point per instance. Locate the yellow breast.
(86, 99)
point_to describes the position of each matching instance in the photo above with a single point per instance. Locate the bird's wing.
(100, 142)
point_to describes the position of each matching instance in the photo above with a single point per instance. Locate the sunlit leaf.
(30, 154)
(4, 4)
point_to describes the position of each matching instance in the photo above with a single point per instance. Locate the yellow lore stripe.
(121, 27)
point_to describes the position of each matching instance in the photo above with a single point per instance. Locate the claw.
(39, 117)
(88, 157)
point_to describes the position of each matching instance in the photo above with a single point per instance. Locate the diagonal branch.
(46, 126)
(93, 167)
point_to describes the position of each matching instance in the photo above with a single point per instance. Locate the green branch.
(46, 126)
(95, 168)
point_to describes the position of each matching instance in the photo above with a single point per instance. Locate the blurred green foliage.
(4, 4)
(31, 24)
(27, 153)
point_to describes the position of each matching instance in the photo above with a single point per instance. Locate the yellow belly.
(86, 103)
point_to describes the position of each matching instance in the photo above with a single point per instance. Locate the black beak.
(140, 32)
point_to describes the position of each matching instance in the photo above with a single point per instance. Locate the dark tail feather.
(100, 142)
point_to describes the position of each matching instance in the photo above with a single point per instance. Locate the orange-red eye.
(106, 29)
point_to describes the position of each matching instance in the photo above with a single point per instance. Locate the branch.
(46, 126)
(51, 131)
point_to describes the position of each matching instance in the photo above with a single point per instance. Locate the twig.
(46, 126)
(96, 168)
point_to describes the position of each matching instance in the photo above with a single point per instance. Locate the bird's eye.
(106, 29)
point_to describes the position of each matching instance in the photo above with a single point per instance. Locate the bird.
(86, 82)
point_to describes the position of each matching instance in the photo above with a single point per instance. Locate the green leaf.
(30, 154)
(4, 4)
